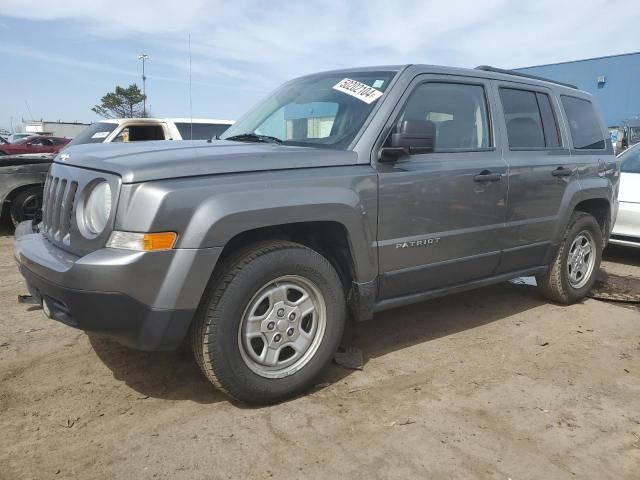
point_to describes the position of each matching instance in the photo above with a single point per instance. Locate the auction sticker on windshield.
(357, 89)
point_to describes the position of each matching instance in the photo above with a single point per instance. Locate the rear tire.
(575, 267)
(270, 321)
(26, 205)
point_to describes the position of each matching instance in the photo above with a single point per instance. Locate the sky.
(59, 57)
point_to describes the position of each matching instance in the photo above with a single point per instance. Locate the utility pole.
(144, 57)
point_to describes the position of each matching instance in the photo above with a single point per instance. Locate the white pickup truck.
(144, 129)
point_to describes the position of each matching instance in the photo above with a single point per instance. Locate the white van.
(144, 129)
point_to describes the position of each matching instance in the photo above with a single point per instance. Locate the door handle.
(487, 176)
(562, 172)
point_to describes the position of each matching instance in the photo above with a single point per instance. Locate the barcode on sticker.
(358, 89)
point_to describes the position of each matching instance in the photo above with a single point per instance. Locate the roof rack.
(488, 68)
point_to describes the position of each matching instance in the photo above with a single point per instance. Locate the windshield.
(631, 160)
(325, 110)
(25, 140)
(94, 133)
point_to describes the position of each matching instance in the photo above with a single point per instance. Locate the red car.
(34, 144)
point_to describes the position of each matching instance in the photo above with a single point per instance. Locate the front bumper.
(143, 300)
(626, 230)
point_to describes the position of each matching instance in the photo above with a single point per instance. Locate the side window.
(584, 124)
(144, 133)
(459, 112)
(140, 133)
(529, 118)
(201, 131)
(631, 161)
(123, 136)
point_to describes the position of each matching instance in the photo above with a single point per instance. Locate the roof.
(53, 122)
(200, 120)
(496, 74)
(155, 120)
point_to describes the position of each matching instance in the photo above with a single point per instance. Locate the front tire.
(575, 267)
(270, 321)
(26, 205)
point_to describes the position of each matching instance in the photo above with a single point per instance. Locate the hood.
(629, 187)
(145, 161)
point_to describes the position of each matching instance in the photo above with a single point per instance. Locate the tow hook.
(27, 300)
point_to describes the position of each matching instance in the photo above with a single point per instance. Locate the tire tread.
(550, 283)
(220, 281)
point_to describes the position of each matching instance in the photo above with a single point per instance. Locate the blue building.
(614, 81)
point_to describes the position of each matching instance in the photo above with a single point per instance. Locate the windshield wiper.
(254, 137)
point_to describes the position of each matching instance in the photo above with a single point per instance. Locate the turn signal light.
(142, 242)
(158, 241)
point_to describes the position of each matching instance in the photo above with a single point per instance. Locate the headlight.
(97, 208)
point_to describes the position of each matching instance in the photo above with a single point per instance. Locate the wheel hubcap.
(581, 259)
(282, 326)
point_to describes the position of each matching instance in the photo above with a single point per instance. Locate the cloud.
(18, 50)
(279, 39)
(285, 38)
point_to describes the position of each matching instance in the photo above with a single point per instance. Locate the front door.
(440, 212)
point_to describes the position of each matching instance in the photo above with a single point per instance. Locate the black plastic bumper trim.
(115, 314)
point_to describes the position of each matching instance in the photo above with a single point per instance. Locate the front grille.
(64, 193)
(57, 207)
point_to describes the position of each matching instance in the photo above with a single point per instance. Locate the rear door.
(440, 213)
(540, 170)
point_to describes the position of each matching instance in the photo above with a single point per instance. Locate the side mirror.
(413, 137)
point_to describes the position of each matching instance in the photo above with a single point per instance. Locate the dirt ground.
(495, 383)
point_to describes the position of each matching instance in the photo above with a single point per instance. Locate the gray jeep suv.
(346, 192)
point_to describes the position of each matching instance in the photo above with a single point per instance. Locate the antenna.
(190, 98)
(29, 109)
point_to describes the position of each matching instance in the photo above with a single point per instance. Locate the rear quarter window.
(584, 124)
